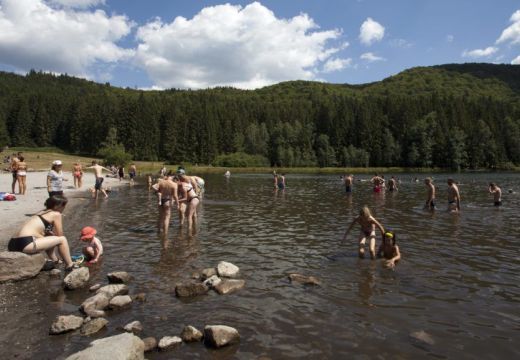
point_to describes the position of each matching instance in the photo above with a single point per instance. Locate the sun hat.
(57, 162)
(88, 232)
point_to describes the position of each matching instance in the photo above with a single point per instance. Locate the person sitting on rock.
(94, 249)
(44, 232)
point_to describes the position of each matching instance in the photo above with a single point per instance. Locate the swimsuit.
(348, 188)
(48, 226)
(77, 174)
(165, 201)
(498, 203)
(99, 181)
(52, 193)
(132, 174)
(377, 189)
(22, 173)
(19, 243)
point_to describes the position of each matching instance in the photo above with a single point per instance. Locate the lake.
(458, 280)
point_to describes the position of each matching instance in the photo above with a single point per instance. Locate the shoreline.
(15, 213)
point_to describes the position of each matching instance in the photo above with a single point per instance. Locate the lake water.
(459, 279)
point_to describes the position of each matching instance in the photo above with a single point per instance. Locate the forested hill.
(457, 115)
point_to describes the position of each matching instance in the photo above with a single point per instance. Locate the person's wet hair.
(21, 158)
(55, 202)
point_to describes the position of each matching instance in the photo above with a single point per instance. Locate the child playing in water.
(389, 250)
(94, 249)
(368, 229)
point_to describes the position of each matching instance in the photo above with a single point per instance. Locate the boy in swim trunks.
(93, 250)
(368, 229)
(430, 201)
(453, 196)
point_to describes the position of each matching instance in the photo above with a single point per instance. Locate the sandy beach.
(15, 213)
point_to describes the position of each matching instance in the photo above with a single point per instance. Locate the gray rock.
(94, 305)
(149, 344)
(191, 334)
(220, 335)
(190, 289)
(93, 326)
(118, 277)
(112, 290)
(19, 266)
(423, 336)
(227, 286)
(226, 269)
(120, 301)
(120, 347)
(207, 273)
(169, 342)
(76, 278)
(212, 281)
(94, 287)
(134, 327)
(55, 272)
(65, 323)
(306, 280)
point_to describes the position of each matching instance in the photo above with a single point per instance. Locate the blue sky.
(200, 44)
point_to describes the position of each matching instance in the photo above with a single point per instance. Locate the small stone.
(94, 305)
(423, 337)
(76, 278)
(94, 287)
(141, 297)
(65, 323)
(149, 344)
(86, 320)
(212, 281)
(220, 335)
(134, 327)
(306, 280)
(227, 286)
(226, 269)
(55, 272)
(118, 277)
(169, 342)
(112, 290)
(190, 289)
(120, 301)
(93, 326)
(191, 334)
(207, 273)
(195, 275)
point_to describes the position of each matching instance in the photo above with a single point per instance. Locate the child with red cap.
(94, 249)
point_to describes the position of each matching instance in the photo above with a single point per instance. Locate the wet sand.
(15, 213)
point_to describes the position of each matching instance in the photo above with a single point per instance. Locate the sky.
(196, 44)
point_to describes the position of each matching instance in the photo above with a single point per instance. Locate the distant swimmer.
(368, 229)
(392, 184)
(389, 250)
(275, 180)
(281, 182)
(378, 183)
(430, 199)
(227, 173)
(497, 193)
(453, 196)
(132, 173)
(347, 181)
(98, 172)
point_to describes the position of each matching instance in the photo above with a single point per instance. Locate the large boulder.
(19, 266)
(226, 269)
(190, 289)
(125, 346)
(93, 326)
(227, 286)
(169, 342)
(191, 334)
(76, 278)
(118, 277)
(220, 335)
(65, 323)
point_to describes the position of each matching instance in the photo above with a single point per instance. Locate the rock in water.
(94, 287)
(141, 297)
(149, 344)
(93, 326)
(191, 334)
(306, 280)
(76, 278)
(169, 342)
(423, 337)
(120, 301)
(212, 281)
(118, 277)
(19, 266)
(207, 273)
(220, 335)
(227, 286)
(94, 305)
(65, 323)
(112, 290)
(134, 327)
(120, 347)
(190, 289)
(226, 269)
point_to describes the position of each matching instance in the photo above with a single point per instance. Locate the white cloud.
(516, 61)
(512, 33)
(227, 45)
(371, 57)
(336, 64)
(478, 53)
(82, 4)
(35, 35)
(450, 38)
(371, 31)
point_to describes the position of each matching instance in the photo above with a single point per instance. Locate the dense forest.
(451, 116)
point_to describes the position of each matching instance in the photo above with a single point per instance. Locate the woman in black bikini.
(188, 196)
(44, 232)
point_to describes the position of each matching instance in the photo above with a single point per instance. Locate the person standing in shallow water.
(497, 193)
(453, 196)
(167, 198)
(132, 173)
(98, 173)
(368, 229)
(348, 181)
(77, 173)
(430, 190)
(55, 179)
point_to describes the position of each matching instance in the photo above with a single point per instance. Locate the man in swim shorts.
(98, 172)
(348, 180)
(430, 200)
(497, 193)
(453, 196)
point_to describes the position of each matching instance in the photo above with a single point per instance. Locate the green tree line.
(450, 116)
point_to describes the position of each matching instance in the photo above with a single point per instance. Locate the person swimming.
(389, 250)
